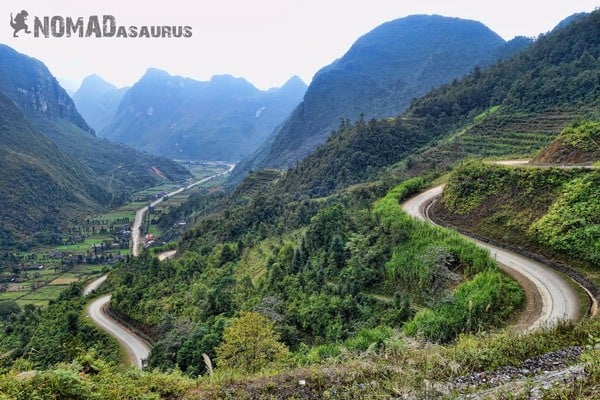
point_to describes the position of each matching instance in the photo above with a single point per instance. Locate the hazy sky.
(265, 41)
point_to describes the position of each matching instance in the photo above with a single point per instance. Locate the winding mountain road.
(137, 348)
(95, 284)
(136, 234)
(558, 300)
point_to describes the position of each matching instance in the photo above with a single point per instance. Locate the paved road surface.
(136, 237)
(137, 348)
(559, 299)
(94, 285)
(166, 255)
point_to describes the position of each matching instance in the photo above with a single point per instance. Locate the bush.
(323, 352)
(368, 338)
(490, 297)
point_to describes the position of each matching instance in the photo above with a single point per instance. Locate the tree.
(203, 340)
(250, 344)
(7, 309)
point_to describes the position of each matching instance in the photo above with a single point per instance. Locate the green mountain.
(378, 77)
(223, 119)
(118, 168)
(41, 185)
(519, 105)
(339, 278)
(97, 100)
(325, 250)
(512, 108)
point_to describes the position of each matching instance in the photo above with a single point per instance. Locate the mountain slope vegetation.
(552, 210)
(378, 77)
(519, 105)
(577, 144)
(120, 169)
(346, 269)
(355, 289)
(40, 184)
(493, 112)
(223, 119)
(322, 222)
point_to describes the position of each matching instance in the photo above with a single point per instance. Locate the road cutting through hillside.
(136, 347)
(550, 297)
(136, 234)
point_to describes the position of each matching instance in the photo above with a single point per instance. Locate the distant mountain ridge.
(514, 108)
(222, 119)
(97, 100)
(46, 105)
(378, 77)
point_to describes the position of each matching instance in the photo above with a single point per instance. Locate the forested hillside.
(40, 184)
(578, 144)
(504, 110)
(348, 269)
(378, 77)
(519, 105)
(43, 338)
(553, 210)
(314, 282)
(118, 168)
(258, 246)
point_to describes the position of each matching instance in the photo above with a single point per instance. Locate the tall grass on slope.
(484, 299)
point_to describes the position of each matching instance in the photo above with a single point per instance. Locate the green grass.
(515, 143)
(82, 247)
(115, 215)
(24, 286)
(376, 363)
(34, 302)
(53, 286)
(153, 229)
(48, 292)
(486, 113)
(486, 299)
(549, 210)
(48, 272)
(11, 295)
(254, 260)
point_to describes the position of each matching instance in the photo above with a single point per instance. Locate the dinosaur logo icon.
(18, 22)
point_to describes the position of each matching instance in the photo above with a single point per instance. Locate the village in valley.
(38, 276)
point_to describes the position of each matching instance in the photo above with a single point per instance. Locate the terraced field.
(48, 284)
(501, 135)
(496, 135)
